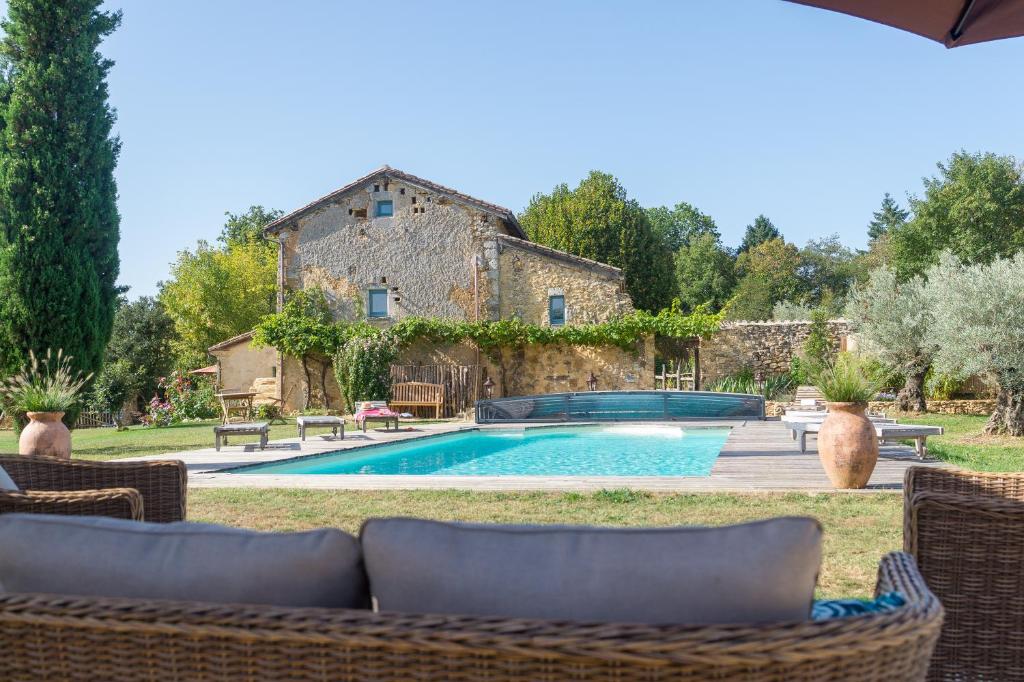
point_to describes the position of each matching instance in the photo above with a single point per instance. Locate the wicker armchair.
(150, 491)
(966, 530)
(52, 637)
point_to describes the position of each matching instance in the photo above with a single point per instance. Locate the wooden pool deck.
(759, 456)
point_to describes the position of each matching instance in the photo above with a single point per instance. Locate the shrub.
(363, 368)
(846, 379)
(158, 413)
(188, 397)
(743, 381)
(818, 344)
(49, 385)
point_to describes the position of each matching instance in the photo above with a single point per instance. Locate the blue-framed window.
(556, 310)
(385, 209)
(377, 303)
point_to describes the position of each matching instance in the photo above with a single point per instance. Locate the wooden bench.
(261, 429)
(418, 394)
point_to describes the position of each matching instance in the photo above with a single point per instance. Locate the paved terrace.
(759, 456)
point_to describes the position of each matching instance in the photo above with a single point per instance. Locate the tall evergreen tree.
(598, 221)
(758, 232)
(886, 219)
(58, 212)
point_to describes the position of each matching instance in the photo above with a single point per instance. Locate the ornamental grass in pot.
(847, 442)
(43, 392)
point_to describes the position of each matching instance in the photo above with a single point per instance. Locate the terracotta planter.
(45, 434)
(848, 445)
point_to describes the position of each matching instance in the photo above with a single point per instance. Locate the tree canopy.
(768, 274)
(217, 292)
(704, 273)
(758, 232)
(58, 214)
(886, 219)
(973, 208)
(597, 220)
(978, 328)
(677, 227)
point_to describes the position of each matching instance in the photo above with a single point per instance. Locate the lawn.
(859, 529)
(137, 441)
(965, 445)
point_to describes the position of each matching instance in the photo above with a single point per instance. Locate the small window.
(378, 303)
(556, 310)
(385, 209)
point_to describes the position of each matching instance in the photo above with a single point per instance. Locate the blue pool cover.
(620, 406)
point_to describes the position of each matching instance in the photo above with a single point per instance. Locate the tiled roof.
(247, 336)
(604, 268)
(386, 171)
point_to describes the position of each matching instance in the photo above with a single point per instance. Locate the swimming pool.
(610, 450)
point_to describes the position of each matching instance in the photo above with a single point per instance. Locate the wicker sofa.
(150, 491)
(53, 637)
(966, 530)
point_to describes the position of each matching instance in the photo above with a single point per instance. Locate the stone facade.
(439, 253)
(983, 407)
(766, 347)
(240, 365)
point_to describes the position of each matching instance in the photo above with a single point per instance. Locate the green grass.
(965, 445)
(859, 529)
(137, 441)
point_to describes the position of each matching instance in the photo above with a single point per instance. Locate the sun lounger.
(376, 410)
(886, 433)
(333, 423)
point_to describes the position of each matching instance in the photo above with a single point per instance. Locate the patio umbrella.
(951, 22)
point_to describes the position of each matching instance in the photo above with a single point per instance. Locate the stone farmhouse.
(391, 244)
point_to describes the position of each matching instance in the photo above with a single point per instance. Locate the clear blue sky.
(737, 106)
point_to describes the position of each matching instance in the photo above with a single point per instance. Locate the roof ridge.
(565, 255)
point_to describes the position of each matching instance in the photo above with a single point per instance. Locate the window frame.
(551, 310)
(369, 303)
(381, 202)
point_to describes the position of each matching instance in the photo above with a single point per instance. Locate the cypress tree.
(58, 212)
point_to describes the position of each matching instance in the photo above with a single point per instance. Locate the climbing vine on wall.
(304, 329)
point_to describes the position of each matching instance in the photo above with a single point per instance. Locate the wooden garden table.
(235, 401)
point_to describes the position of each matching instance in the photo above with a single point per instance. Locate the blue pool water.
(612, 450)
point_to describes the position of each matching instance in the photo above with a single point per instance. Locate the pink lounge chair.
(376, 410)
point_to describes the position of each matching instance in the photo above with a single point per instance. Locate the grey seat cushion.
(6, 482)
(754, 572)
(91, 556)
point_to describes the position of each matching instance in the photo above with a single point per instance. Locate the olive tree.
(893, 321)
(978, 328)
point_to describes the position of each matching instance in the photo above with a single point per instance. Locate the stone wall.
(528, 275)
(766, 347)
(241, 364)
(974, 407)
(434, 250)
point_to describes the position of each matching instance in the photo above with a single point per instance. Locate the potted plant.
(43, 392)
(847, 443)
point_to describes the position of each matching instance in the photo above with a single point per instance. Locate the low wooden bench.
(418, 394)
(261, 429)
(333, 423)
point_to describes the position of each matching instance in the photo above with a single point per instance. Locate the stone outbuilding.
(391, 244)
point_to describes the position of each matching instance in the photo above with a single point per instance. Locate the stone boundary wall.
(766, 347)
(981, 408)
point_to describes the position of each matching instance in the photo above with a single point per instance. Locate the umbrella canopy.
(951, 22)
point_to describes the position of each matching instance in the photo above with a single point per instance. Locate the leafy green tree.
(973, 208)
(817, 348)
(828, 270)
(597, 220)
(888, 218)
(978, 328)
(248, 227)
(893, 320)
(58, 213)
(138, 355)
(677, 227)
(758, 232)
(704, 273)
(767, 273)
